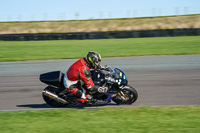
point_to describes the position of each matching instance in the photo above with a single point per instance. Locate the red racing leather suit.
(80, 71)
(77, 72)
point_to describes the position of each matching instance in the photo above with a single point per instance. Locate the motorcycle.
(115, 79)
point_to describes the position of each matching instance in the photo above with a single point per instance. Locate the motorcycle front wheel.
(127, 95)
(51, 101)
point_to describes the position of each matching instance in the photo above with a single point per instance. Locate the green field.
(65, 49)
(107, 120)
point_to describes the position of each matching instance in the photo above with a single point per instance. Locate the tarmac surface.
(159, 80)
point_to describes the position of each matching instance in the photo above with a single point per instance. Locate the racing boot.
(85, 99)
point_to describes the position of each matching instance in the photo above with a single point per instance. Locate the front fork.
(121, 94)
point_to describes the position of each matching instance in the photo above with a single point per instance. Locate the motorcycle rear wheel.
(51, 101)
(129, 95)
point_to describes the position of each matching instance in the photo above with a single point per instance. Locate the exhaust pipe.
(54, 96)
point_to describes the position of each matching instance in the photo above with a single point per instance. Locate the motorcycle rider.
(79, 74)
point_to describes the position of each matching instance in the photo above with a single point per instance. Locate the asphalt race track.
(159, 80)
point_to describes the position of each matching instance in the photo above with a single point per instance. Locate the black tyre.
(129, 94)
(51, 101)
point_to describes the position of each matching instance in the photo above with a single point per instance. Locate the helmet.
(93, 59)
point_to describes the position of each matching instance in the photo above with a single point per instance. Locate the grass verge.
(63, 49)
(112, 120)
